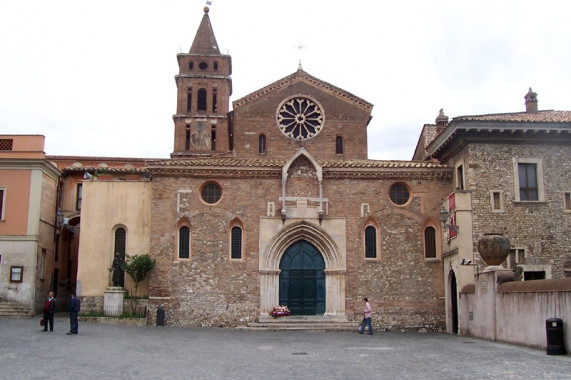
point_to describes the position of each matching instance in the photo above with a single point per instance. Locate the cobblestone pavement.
(150, 352)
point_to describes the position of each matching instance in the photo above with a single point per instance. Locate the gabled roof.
(302, 76)
(204, 42)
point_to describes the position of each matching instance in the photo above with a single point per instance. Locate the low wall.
(515, 312)
(523, 307)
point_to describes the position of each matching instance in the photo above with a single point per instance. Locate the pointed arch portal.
(302, 279)
(304, 267)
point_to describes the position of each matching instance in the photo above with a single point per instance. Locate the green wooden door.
(302, 280)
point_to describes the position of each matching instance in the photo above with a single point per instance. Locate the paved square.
(124, 352)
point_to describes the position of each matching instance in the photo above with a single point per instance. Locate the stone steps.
(13, 310)
(306, 323)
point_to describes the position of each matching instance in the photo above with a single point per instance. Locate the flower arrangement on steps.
(279, 311)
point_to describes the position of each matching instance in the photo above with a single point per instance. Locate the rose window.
(300, 118)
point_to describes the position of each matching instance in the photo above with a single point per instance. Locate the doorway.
(302, 279)
(454, 302)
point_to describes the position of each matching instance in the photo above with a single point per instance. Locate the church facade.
(273, 201)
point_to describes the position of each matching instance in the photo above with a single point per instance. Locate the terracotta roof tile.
(278, 163)
(523, 117)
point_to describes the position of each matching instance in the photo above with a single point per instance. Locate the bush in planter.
(138, 267)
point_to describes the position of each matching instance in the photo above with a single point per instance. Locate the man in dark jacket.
(49, 310)
(73, 311)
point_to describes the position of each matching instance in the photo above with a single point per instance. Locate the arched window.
(187, 137)
(339, 145)
(184, 242)
(430, 242)
(120, 249)
(370, 242)
(214, 101)
(236, 242)
(262, 143)
(201, 100)
(189, 99)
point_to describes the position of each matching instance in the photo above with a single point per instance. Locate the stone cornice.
(203, 76)
(32, 164)
(248, 173)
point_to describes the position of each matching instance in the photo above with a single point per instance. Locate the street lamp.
(59, 218)
(444, 215)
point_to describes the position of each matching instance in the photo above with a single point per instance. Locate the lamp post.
(444, 216)
(59, 218)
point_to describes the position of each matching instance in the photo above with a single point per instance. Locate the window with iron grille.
(211, 193)
(2, 202)
(79, 196)
(120, 241)
(184, 242)
(6, 144)
(120, 246)
(339, 145)
(399, 194)
(430, 242)
(236, 243)
(370, 242)
(262, 144)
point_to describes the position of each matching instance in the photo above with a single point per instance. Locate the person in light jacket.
(366, 317)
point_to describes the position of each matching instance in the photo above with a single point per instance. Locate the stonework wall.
(541, 228)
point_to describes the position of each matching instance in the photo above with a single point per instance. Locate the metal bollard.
(160, 316)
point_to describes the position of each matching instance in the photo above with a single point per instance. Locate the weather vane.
(300, 46)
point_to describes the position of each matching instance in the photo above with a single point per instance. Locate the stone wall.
(541, 228)
(515, 312)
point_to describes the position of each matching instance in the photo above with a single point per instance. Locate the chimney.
(441, 121)
(530, 101)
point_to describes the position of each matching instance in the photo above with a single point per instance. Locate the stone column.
(483, 309)
(334, 292)
(269, 290)
(113, 301)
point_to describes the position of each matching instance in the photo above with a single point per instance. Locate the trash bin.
(160, 316)
(555, 338)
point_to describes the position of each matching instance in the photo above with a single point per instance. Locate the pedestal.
(113, 301)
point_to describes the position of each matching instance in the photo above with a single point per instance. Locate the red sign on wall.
(452, 215)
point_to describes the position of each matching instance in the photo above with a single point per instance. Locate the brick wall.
(210, 289)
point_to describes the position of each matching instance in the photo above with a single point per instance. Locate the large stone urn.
(494, 248)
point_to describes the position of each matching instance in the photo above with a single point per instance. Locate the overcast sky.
(97, 78)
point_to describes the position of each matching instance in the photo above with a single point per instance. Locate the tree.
(138, 267)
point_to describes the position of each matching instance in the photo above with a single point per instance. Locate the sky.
(97, 78)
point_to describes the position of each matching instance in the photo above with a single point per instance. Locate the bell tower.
(204, 87)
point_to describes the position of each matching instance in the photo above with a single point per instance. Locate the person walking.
(74, 306)
(49, 310)
(366, 317)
